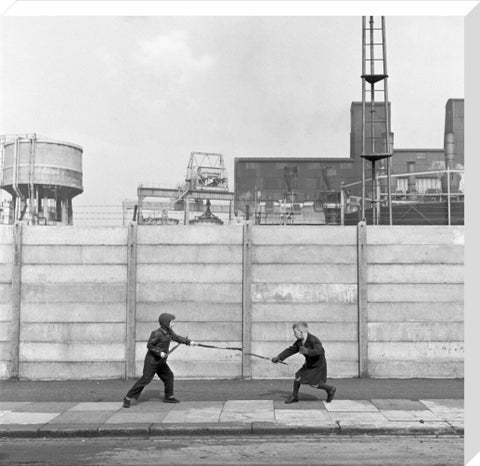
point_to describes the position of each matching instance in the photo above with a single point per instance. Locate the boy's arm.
(179, 339)
(152, 344)
(287, 352)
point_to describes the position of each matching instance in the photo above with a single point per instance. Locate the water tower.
(42, 176)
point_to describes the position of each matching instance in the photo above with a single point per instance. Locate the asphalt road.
(239, 450)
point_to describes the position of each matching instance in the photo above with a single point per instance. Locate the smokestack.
(449, 151)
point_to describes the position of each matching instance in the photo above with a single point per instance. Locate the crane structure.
(377, 145)
(205, 179)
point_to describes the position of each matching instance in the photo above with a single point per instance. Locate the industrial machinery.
(42, 176)
(205, 180)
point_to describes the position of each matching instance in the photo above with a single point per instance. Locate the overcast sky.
(140, 93)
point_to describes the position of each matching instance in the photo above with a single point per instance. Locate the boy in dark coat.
(314, 371)
(156, 360)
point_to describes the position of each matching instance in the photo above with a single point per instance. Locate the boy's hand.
(193, 343)
(163, 355)
(303, 350)
(275, 360)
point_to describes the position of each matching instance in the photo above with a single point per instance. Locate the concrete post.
(14, 328)
(131, 314)
(247, 301)
(362, 300)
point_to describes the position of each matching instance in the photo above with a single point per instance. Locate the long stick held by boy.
(314, 371)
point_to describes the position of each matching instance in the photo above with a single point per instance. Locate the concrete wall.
(79, 303)
(305, 273)
(415, 301)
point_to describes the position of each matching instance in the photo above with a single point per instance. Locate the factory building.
(320, 190)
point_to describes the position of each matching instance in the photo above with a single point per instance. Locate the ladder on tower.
(376, 137)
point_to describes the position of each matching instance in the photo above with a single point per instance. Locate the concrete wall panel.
(304, 254)
(182, 234)
(190, 311)
(415, 293)
(66, 235)
(415, 331)
(73, 332)
(5, 313)
(307, 235)
(416, 254)
(202, 370)
(74, 352)
(199, 292)
(73, 312)
(5, 273)
(6, 234)
(73, 273)
(74, 293)
(396, 235)
(416, 351)
(422, 311)
(189, 253)
(310, 312)
(5, 293)
(407, 273)
(304, 273)
(70, 254)
(6, 254)
(304, 293)
(190, 273)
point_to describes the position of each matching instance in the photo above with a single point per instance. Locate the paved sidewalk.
(361, 406)
(377, 416)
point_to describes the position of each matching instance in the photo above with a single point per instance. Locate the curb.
(232, 428)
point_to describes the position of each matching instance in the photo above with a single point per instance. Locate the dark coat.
(160, 341)
(314, 371)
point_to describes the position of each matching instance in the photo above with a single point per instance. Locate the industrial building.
(323, 190)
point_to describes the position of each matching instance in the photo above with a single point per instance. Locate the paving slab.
(280, 404)
(200, 414)
(130, 417)
(443, 404)
(149, 407)
(304, 416)
(82, 417)
(27, 418)
(351, 406)
(97, 406)
(410, 415)
(398, 404)
(247, 411)
(44, 407)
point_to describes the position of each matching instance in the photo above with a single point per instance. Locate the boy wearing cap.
(156, 360)
(314, 371)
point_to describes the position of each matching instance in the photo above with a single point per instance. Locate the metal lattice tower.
(376, 138)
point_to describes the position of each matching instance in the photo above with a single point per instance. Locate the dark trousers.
(153, 366)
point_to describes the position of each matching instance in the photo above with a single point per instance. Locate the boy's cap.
(165, 319)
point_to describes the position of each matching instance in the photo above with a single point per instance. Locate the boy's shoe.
(291, 399)
(126, 403)
(170, 399)
(331, 394)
